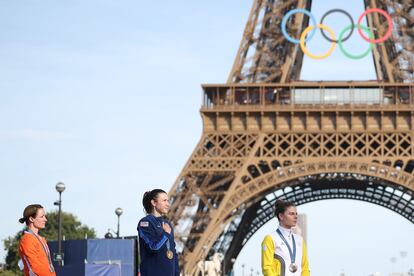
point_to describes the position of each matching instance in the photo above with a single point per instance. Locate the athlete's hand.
(166, 227)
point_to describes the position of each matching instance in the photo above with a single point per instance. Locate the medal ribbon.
(45, 249)
(292, 254)
(168, 239)
(168, 244)
(170, 254)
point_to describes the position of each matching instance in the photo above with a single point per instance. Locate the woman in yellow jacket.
(33, 248)
(284, 252)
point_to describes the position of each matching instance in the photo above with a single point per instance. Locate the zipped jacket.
(35, 255)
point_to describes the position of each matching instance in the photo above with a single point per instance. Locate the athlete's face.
(289, 218)
(39, 221)
(161, 204)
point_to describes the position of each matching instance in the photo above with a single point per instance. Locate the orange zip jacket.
(33, 255)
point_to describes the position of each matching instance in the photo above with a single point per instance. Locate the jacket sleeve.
(153, 236)
(268, 252)
(32, 252)
(305, 263)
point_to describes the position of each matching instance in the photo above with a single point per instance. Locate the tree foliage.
(72, 229)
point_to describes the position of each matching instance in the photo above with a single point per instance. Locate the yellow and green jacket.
(276, 258)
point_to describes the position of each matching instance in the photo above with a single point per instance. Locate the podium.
(93, 257)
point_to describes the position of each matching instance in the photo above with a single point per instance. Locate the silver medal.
(293, 268)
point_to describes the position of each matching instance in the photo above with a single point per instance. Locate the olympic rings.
(304, 38)
(340, 11)
(387, 34)
(371, 35)
(303, 47)
(284, 22)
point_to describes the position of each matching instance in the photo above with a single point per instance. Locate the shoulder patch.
(264, 247)
(144, 224)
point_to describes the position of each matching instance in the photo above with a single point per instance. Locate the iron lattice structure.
(265, 55)
(262, 141)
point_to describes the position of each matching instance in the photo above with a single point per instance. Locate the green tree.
(72, 229)
(11, 244)
(10, 273)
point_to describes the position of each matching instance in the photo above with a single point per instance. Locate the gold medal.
(170, 254)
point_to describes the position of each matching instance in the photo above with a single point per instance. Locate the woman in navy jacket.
(156, 237)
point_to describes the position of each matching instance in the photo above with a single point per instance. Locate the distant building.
(302, 226)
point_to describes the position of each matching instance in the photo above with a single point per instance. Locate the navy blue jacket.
(153, 246)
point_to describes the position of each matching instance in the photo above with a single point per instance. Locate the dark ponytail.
(30, 212)
(281, 206)
(148, 196)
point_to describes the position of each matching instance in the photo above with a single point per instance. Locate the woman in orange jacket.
(33, 248)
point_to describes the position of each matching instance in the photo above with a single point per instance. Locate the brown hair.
(148, 196)
(281, 206)
(30, 211)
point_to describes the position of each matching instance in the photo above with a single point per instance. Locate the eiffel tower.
(264, 139)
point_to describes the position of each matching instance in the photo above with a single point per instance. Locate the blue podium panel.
(74, 251)
(102, 270)
(100, 252)
(113, 250)
(70, 270)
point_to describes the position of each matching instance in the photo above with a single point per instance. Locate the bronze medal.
(170, 254)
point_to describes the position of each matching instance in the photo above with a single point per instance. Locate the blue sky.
(105, 96)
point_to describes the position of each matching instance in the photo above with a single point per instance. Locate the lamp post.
(393, 260)
(118, 212)
(224, 267)
(403, 255)
(232, 260)
(60, 187)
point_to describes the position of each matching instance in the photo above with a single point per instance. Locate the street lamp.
(224, 266)
(118, 212)
(109, 234)
(403, 255)
(232, 260)
(60, 187)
